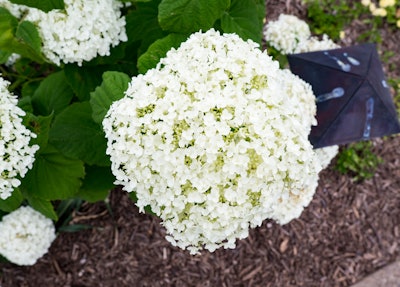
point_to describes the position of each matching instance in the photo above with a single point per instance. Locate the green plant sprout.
(358, 160)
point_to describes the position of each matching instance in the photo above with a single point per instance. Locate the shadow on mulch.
(348, 231)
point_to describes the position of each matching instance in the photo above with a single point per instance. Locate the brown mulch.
(348, 231)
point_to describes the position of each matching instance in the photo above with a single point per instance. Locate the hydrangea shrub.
(200, 125)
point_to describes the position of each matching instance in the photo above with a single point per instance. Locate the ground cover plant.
(65, 85)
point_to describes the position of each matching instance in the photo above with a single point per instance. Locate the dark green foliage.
(330, 16)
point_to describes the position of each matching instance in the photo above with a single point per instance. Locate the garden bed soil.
(349, 230)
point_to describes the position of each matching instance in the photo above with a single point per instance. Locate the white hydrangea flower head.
(215, 140)
(291, 35)
(25, 236)
(286, 33)
(84, 30)
(16, 155)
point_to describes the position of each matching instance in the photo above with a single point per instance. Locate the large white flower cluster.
(25, 236)
(215, 140)
(290, 35)
(16, 155)
(80, 32)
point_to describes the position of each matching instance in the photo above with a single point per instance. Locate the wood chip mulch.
(348, 231)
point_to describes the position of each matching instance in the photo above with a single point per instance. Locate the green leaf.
(187, 16)
(40, 125)
(142, 23)
(261, 10)
(123, 61)
(29, 88)
(53, 95)
(8, 23)
(25, 104)
(241, 19)
(45, 207)
(22, 38)
(53, 176)
(159, 50)
(13, 202)
(97, 184)
(45, 6)
(76, 135)
(111, 89)
(83, 80)
(142, 26)
(27, 33)
(4, 56)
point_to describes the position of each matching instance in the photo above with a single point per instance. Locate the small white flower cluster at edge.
(16, 155)
(80, 32)
(215, 140)
(291, 35)
(25, 236)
